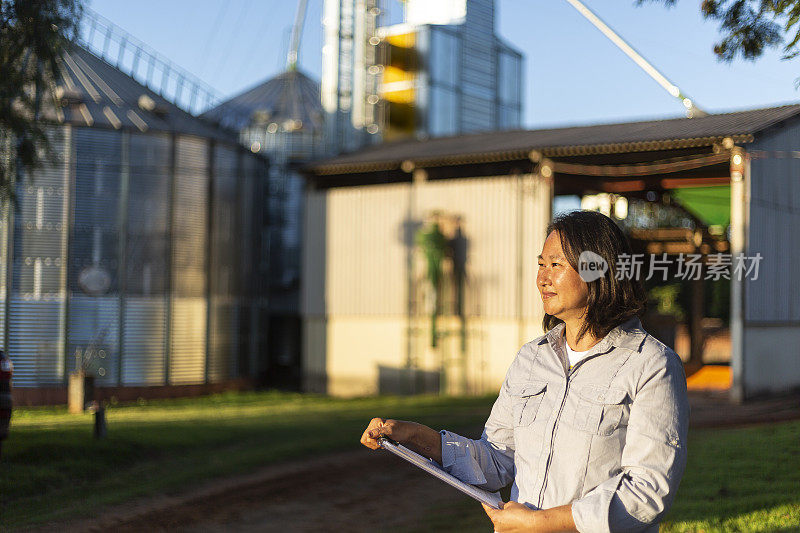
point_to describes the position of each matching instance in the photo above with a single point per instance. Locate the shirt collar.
(627, 335)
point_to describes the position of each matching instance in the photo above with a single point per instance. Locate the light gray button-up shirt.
(607, 436)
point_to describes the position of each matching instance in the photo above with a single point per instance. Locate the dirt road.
(352, 491)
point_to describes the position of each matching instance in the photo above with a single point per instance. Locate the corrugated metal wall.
(94, 250)
(146, 265)
(364, 281)
(187, 358)
(224, 267)
(478, 68)
(364, 235)
(37, 301)
(489, 211)
(773, 220)
(133, 209)
(313, 276)
(255, 287)
(765, 357)
(250, 224)
(366, 250)
(4, 260)
(5, 236)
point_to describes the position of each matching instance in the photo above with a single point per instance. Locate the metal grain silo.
(132, 253)
(283, 119)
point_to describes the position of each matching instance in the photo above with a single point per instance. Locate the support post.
(740, 199)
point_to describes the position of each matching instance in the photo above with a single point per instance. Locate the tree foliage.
(749, 27)
(32, 36)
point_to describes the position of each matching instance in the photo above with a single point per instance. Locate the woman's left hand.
(513, 517)
(516, 518)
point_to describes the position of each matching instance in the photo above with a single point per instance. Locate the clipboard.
(492, 499)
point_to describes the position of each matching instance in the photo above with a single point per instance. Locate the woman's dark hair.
(611, 301)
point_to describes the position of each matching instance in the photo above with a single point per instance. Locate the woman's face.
(564, 293)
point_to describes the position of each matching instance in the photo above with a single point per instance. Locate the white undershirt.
(574, 356)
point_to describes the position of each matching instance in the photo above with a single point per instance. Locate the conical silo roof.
(94, 93)
(290, 100)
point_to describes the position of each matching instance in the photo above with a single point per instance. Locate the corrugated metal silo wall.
(771, 307)
(146, 263)
(5, 155)
(94, 242)
(4, 258)
(187, 356)
(224, 266)
(256, 185)
(478, 69)
(109, 203)
(37, 299)
(248, 230)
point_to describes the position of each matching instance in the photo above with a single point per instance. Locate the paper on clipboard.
(492, 499)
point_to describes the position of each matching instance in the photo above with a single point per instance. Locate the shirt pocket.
(526, 400)
(600, 409)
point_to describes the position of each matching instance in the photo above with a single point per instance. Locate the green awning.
(712, 205)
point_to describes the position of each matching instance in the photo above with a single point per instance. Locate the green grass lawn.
(52, 468)
(740, 480)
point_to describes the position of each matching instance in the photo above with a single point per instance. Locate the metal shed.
(135, 253)
(754, 153)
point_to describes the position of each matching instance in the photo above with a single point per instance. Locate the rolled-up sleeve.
(653, 459)
(487, 462)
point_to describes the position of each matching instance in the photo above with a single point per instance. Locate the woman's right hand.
(417, 437)
(397, 430)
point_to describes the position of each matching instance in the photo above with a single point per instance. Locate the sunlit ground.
(54, 469)
(743, 479)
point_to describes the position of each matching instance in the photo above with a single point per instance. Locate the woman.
(590, 424)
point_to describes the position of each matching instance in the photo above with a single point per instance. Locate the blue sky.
(573, 74)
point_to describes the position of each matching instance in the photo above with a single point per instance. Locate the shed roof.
(95, 93)
(602, 138)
